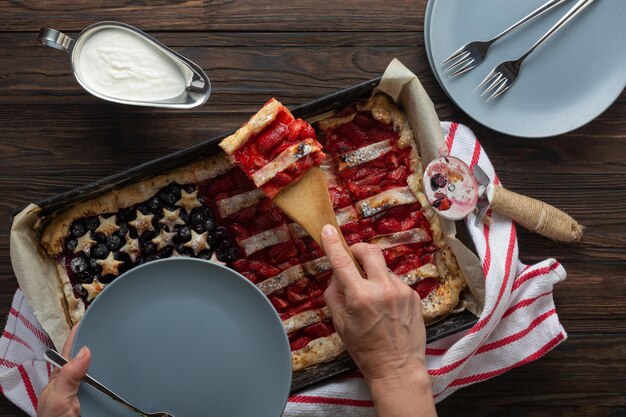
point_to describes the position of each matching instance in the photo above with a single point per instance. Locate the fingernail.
(81, 353)
(329, 230)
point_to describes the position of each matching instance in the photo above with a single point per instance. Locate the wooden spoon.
(307, 203)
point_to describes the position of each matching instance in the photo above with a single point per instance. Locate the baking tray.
(302, 379)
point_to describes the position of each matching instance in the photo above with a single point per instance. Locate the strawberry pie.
(216, 211)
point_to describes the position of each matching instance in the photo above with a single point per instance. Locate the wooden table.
(54, 137)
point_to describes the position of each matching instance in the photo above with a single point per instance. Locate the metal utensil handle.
(56, 359)
(535, 13)
(55, 39)
(571, 14)
(536, 215)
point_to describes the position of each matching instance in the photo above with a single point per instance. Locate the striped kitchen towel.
(518, 324)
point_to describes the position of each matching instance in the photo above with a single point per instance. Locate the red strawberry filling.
(254, 237)
(300, 338)
(275, 146)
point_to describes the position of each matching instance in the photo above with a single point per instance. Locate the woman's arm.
(380, 321)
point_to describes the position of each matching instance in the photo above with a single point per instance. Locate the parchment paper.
(36, 271)
(400, 84)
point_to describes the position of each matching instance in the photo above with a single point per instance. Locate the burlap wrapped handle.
(536, 215)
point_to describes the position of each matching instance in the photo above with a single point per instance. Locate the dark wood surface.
(54, 136)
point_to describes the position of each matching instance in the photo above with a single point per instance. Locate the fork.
(57, 360)
(502, 77)
(470, 55)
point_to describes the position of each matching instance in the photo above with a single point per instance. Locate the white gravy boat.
(197, 85)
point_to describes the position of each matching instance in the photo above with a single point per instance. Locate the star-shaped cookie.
(198, 242)
(171, 219)
(188, 201)
(84, 243)
(163, 239)
(107, 226)
(131, 248)
(142, 223)
(110, 265)
(93, 289)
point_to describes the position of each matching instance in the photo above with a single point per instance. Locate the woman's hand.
(58, 398)
(380, 322)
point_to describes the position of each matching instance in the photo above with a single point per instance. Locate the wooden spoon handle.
(536, 216)
(317, 236)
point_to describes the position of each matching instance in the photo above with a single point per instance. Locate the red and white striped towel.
(518, 324)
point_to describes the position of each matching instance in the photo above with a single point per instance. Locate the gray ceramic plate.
(564, 84)
(189, 337)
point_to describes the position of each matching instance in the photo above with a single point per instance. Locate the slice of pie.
(213, 210)
(274, 149)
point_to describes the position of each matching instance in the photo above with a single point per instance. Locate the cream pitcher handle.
(55, 39)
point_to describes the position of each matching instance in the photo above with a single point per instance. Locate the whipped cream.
(120, 64)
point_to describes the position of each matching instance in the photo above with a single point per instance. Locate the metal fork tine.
(458, 64)
(454, 55)
(493, 84)
(488, 78)
(505, 86)
(464, 68)
(458, 59)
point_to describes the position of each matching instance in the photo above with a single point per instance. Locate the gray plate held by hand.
(189, 337)
(564, 84)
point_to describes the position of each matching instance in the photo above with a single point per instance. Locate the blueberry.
(85, 277)
(206, 211)
(114, 242)
(221, 233)
(149, 248)
(206, 255)
(100, 251)
(174, 188)
(106, 279)
(183, 216)
(225, 244)
(70, 245)
(93, 265)
(92, 223)
(123, 230)
(226, 255)
(196, 217)
(184, 234)
(154, 204)
(189, 188)
(78, 265)
(168, 197)
(198, 228)
(100, 237)
(211, 240)
(143, 209)
(126, 215)
(167, 252)
(437, 181)
(209, 224)
(152, 257)
(78, 229)
(80, 291)
(147, 236)
(180, 248)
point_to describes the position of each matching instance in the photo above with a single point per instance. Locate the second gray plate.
(564, 84)
(188, 337)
